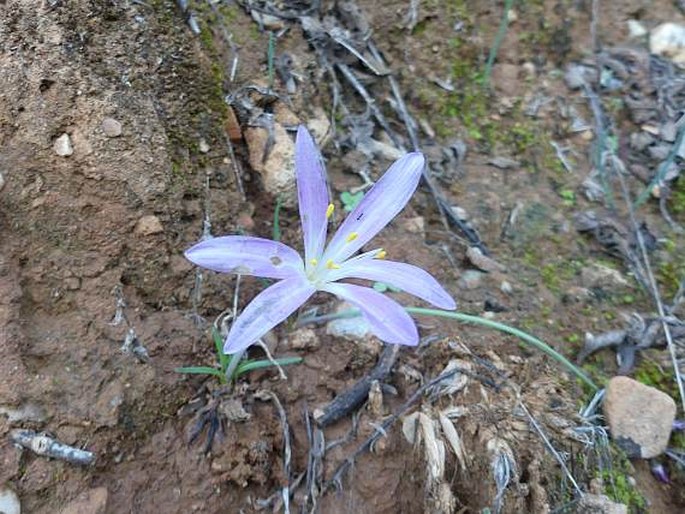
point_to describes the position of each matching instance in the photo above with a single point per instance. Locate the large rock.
(274, 161)
(640, 417)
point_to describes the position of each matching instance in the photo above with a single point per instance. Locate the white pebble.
(111, 127)
(9, 501)
(62, 146)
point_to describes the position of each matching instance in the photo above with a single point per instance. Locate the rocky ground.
(553, 203)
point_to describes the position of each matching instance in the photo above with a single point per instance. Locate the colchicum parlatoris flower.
(325, 266)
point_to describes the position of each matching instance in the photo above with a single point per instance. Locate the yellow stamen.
(314, 262)
(381, 254)
(332, 265)
(352, 237)
(329, 210)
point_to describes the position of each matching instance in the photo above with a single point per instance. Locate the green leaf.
(199, 370)
(277, 219)
(261, 364)
(219, 345)
(349, 200)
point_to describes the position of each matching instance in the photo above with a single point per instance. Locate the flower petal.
(378, 207)
(406, 277)
(267, 310)
(247, 256)
(312, 193)
(388, 320)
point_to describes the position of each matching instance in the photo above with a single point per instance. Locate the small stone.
(461, 213)
(636, 29)
(529, 69)
(62, 146)
(599, 276)
(640, 417)
(111, 127)
(470, 280)
(352, 329)
(668, 39)
(203, 146)
(504, 163)
(93, 501)
(2, 182)
(303, 339)
(268, 21)
(506, 287)
(481, 261)
(148, 225)
(600, 504)
(587, 135)
(577, 294)
(9, 501)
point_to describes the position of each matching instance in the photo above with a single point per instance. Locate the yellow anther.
(352, 237)
(332, 265)
(381, 254)
(314, 262)
(329, 210)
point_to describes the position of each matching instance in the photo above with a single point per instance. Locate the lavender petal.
(660, 473)
(267, 310)
(388, 320)
(378, 207)
(406, 277)
(312, 193)
(247, 256)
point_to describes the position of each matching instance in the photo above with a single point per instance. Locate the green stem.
(501, 32)
(233, 365)
(468, 318)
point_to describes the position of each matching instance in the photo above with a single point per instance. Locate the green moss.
(555, 274)
(651, 374)
(677, 199)
(617, 487)
(670, 274)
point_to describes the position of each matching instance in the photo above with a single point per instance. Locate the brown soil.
(109, 223)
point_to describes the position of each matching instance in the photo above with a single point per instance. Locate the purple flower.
(660, 473)
(324, 266)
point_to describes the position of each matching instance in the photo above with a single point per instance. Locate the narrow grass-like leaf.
(261, 364)
(501, 32)
(527, 338)
(277, 219)
(468, 318)
(200, 370)
(219, 345)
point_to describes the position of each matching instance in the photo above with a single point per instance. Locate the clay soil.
(91, 252)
